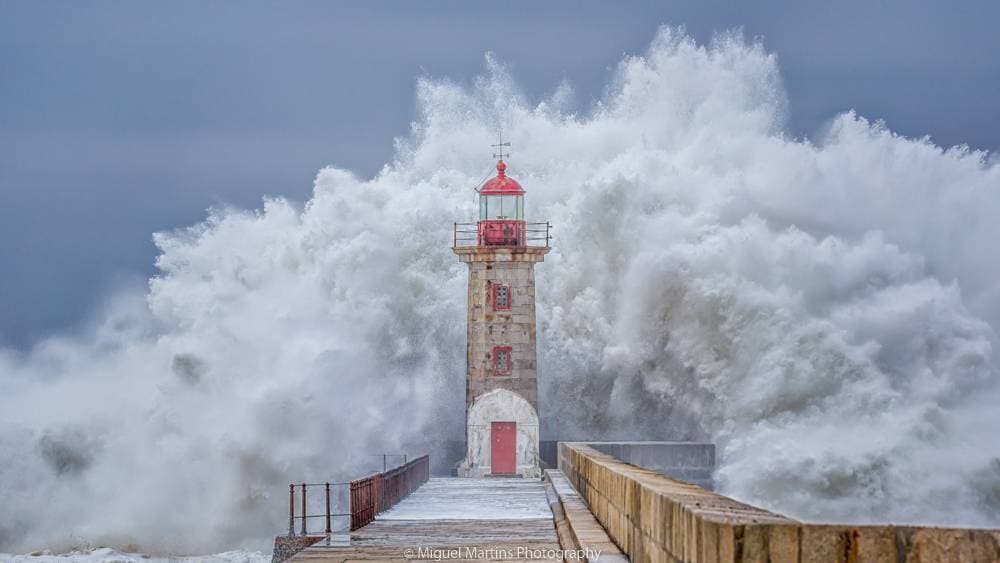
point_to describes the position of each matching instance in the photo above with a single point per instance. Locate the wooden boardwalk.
(454, 519)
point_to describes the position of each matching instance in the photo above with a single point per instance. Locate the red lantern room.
(501, 211)
(501, 216)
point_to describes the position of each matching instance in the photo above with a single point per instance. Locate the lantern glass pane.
(508, 207)
(493, 203)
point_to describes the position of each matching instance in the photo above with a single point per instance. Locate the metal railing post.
(303, 509)
(328, 530)
(291, 509)
(384, 466)
(354, 505)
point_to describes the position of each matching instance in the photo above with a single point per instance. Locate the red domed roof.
(502, 185)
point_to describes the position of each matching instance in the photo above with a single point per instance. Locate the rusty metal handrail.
(381, 491)
(368, 495)
(303, 487)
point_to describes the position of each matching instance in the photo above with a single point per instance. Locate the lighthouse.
(501, 395)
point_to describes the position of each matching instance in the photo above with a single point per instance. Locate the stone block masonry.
(655, 519)
(502, 377)
(287, 546)
(513, 327)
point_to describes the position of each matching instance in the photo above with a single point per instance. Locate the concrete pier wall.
(656, 519)
(687, 461)
(693, 462)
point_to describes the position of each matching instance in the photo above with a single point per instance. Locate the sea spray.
(824, 309)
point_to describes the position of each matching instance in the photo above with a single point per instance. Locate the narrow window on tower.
(501, 297)
(501, 360)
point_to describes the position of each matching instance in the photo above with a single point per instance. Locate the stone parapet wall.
(656, 519)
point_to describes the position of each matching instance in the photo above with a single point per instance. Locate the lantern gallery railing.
(368, 496)
(502, 233)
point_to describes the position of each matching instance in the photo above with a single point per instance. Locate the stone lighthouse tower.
(501, 397)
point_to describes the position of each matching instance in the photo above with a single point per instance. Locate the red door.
(503, 448)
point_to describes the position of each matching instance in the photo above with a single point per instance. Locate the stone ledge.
(576, 526)
(501, 254)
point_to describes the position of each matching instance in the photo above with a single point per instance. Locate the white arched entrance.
(500, 406)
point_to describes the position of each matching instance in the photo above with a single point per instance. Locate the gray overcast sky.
(118, 119)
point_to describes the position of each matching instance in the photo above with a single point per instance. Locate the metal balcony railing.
(502, 233)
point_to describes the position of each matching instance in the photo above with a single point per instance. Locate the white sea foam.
(824, 309)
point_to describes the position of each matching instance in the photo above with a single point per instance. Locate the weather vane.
(500, 145)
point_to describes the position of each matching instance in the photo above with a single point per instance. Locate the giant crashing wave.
(823, 309)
